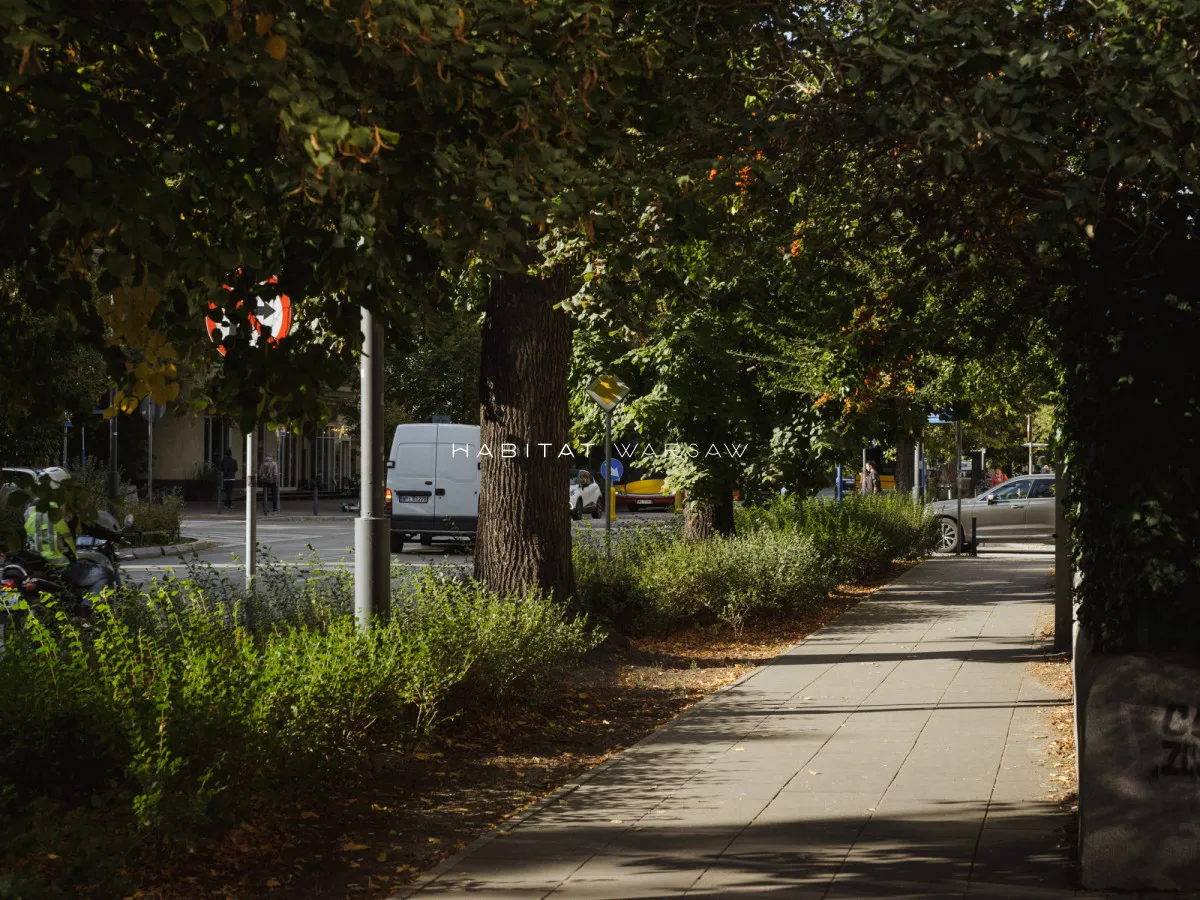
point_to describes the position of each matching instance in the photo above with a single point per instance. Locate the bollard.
(974, 539)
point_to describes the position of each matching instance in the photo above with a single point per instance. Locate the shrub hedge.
(787, 555)
(172, 710)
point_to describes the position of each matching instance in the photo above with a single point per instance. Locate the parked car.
(1020, 509)
(586, 495)
(646, 493)
(433, 482)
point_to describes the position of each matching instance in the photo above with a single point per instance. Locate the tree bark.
(524, 538)
(707, 516)
(904, 465)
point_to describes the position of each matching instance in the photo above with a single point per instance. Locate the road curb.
(169, 550)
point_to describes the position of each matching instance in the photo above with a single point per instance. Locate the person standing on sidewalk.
(268, 476)
(229, 469)
(870, 480)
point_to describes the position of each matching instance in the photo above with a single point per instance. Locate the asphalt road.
(331, 539)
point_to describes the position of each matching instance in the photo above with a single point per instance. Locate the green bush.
(157, 519)
(734, 580)
(174, 708)
(787, 554)
(859, 536)
(519, 646)
(607, 586)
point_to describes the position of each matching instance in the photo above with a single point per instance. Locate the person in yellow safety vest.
(55, 543)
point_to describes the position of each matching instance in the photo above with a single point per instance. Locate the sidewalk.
(895, 753)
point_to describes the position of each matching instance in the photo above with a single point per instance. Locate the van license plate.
(645, 502)
(404, 499)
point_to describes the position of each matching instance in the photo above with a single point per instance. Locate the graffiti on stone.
(1164, 749)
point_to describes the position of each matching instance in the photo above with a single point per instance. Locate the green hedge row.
(786, 557)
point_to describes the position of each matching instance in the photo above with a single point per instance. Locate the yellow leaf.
(382, 857)
(350, 847)
(273, 883)
(234, 32)
(276, 47)
(263, 24)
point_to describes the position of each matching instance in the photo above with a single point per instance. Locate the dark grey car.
(1020, 509)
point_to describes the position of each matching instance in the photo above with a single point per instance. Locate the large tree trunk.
(905, 451)
(706, 516)
(524, 536)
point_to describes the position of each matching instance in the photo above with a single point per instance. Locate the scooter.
(25, 576)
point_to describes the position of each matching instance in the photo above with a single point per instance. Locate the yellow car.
(647, 493)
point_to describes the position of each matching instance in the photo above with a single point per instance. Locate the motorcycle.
(25, 575)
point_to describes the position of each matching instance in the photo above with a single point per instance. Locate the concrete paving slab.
(894, 753)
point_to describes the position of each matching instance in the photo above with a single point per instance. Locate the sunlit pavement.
(894, 753)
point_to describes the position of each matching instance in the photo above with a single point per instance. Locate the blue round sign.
(617, 470)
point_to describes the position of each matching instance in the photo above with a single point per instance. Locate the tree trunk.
(704, 517)
(524, 538)
(905, 451)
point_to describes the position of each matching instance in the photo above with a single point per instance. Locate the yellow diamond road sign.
(607, 391)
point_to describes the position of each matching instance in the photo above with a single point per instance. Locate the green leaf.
(80, 165)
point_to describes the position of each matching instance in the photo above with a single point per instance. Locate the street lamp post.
(372, 548)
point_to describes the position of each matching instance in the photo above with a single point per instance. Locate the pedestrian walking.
(229, 470)
(998, 477)
(870, 480)
(268, 477)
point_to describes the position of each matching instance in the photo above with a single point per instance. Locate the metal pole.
(150, 465)
(916, 488)
(114, 478)
(958, 484)
(1029, 441)
(838, 489)
(251, 509)
(83, 443)
(372, 551)
(219, 424)
(66, 425)
(608, 482)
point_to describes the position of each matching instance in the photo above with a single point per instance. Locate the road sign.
(617, 470)
(607, 391)
(270, 316)
(152, 412)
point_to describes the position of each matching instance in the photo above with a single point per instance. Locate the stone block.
(1140, 766)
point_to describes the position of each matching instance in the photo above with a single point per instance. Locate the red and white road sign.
(271, 316)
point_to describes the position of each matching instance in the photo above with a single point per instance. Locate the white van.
(433, 482)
